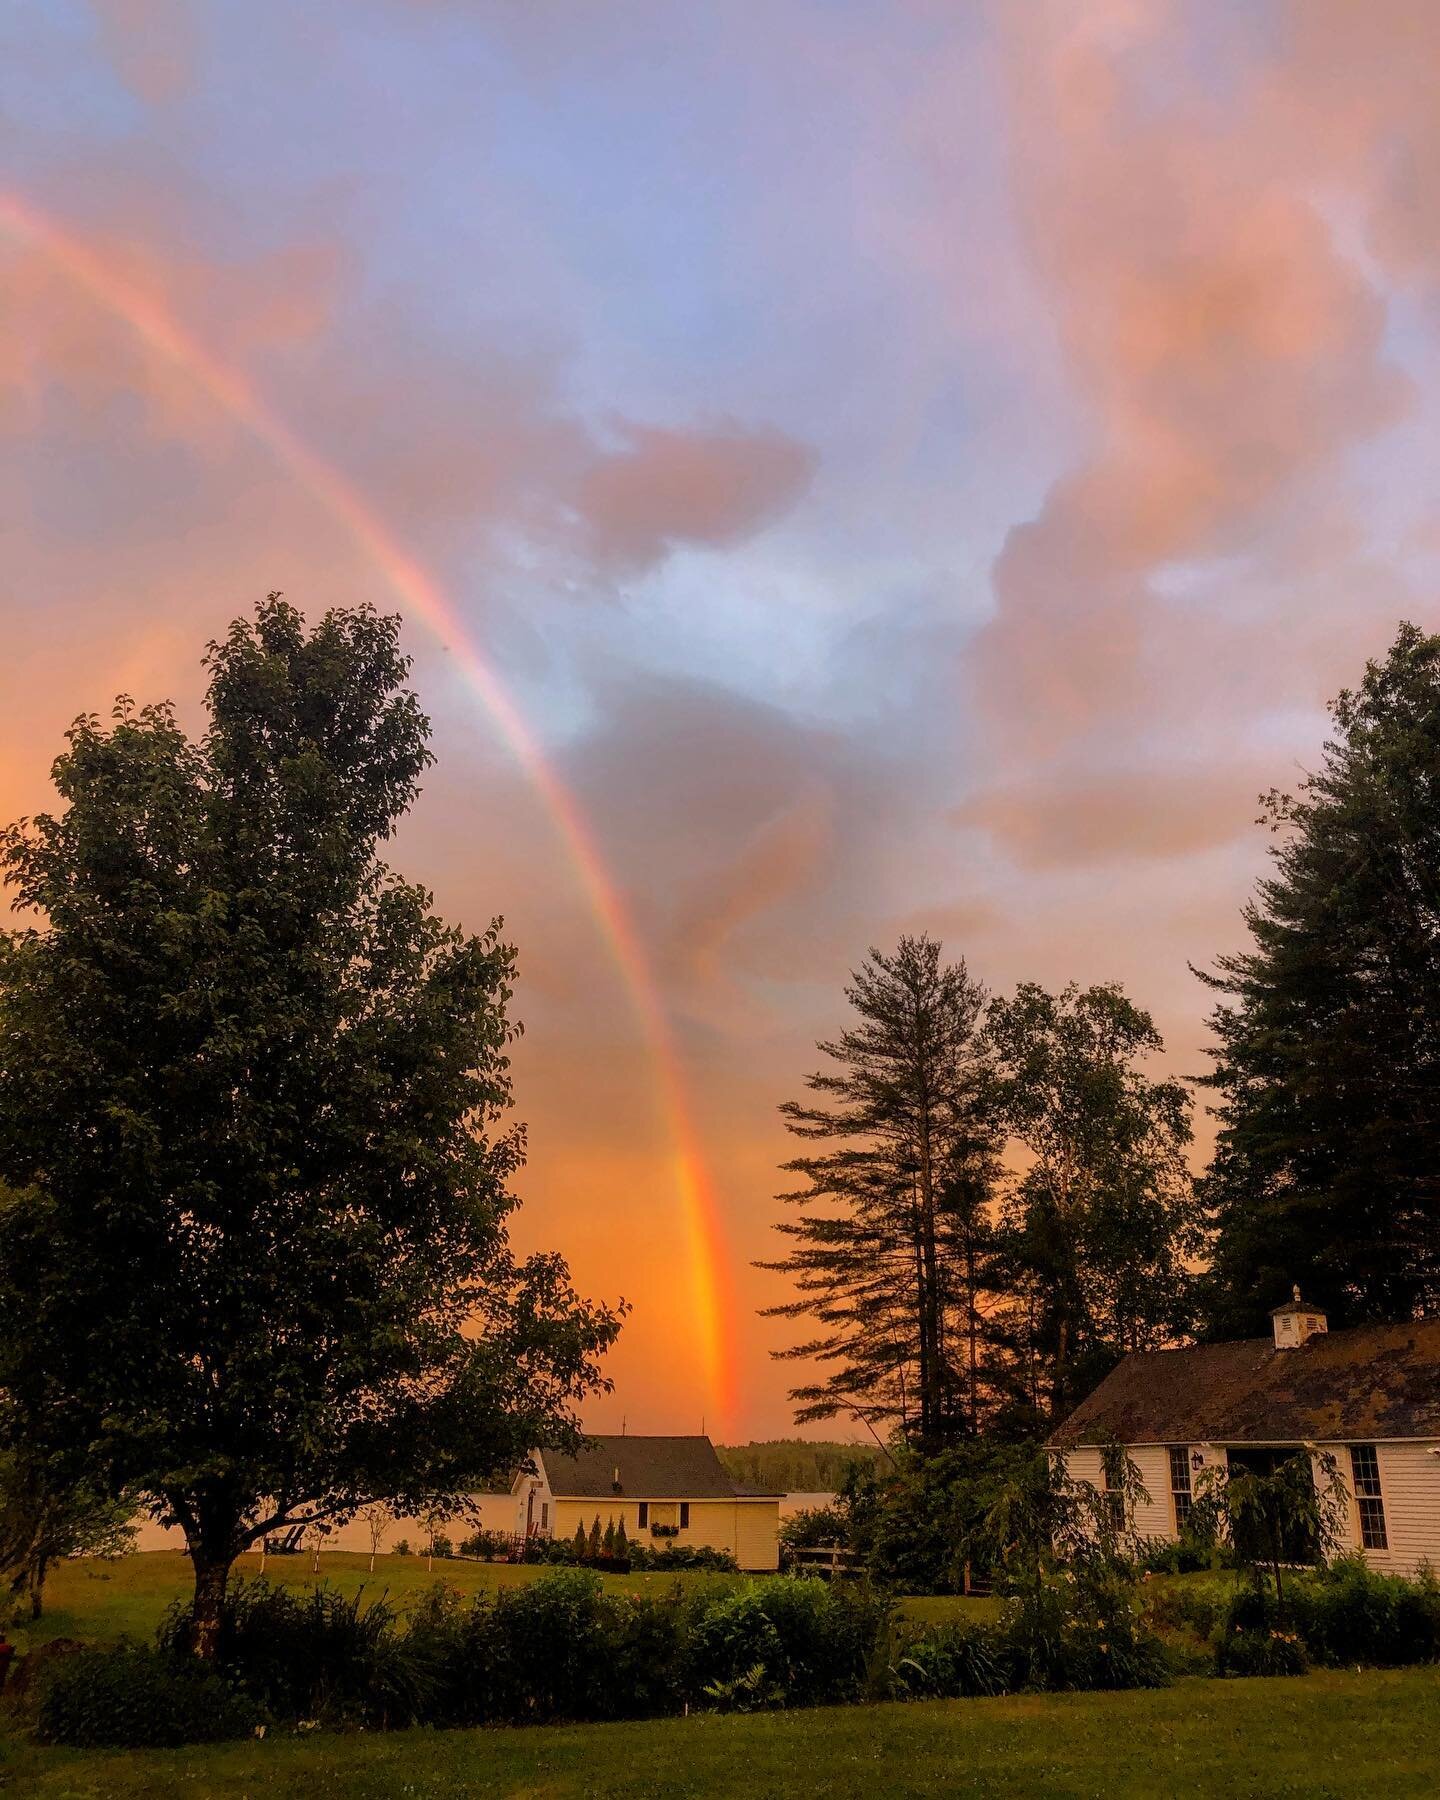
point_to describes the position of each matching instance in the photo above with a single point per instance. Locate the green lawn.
(1376, 1734)
(100, 1601)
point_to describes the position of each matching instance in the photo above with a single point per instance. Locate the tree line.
(995, 1202)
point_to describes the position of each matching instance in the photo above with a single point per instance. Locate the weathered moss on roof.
(1375, 1381)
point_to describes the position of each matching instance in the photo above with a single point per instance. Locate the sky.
(847, 467)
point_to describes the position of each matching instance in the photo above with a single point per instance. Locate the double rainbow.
(422, 598)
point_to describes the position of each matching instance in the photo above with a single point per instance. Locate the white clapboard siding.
(1153, 1518)
(1410, 1489)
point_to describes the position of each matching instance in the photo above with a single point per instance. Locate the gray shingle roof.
(650, 1468)
(1375, 1381)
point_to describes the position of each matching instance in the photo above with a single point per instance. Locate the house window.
(644, 1514)
(1369, 1503)
(684, 1515)
(1182, 1495)
(1113, 1462)
(544, 1515)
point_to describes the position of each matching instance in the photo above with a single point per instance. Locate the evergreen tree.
(582, 1544)
(592, 1546)
(607, 1543)
(895, 1266)
(254, 1260)
(1327, 1038)
(1100, 1216)
(622, 1542)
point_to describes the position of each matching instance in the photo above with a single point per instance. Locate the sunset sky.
(847, 466)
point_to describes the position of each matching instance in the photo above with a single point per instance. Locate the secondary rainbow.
(420, 595)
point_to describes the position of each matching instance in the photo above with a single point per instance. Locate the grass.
(100, 1601)
(1325, 1735)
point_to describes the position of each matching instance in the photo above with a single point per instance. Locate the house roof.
(1375, 1381)
(647, 1468)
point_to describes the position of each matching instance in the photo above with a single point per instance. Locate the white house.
(1370, 1397)
(665, 1489)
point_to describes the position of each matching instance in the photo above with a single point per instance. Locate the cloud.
(709, 487)
(152, 45)
(1228, 349)
(779, 858)
(1156, 814)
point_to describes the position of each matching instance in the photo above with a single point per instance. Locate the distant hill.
(791, 1465)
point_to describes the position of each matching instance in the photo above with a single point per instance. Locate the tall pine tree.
(1327, 1038)
(890, 1255)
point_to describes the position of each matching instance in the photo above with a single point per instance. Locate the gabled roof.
(647, 1468)
(1375, 1381)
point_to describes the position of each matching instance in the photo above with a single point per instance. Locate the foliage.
(796, 1465)
(1259, 1650)
(1370, 1735)
(1342, 1614)
(920, 1525)
(1327, 1031)
(50, 1508)
(828, 1634)
(134, 1697)
(948, 1662)
(1100, 1216)
(891, 1252)
(811, 1528)
(683, 1556)
(312, 1655)
(1273, 1520)
(253, 1249)
(731, 1640)
(486, 1546)
(1349, 1613)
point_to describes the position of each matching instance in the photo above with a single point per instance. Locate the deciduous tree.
(254, 1251)
(1100, 1212)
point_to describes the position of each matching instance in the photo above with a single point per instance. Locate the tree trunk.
(35, 1585)
(212, 1575)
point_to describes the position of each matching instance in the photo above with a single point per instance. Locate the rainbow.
(421, 597)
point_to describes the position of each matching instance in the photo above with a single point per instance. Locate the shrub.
(950, 1662)
(683, 1556)
(1191, 1607)
(133, 1697)
(401, 1547)
(730, 1640)
(317, 1655)
(553, 1636)
(486, 1546)
(1257, 1650)
(1187, 1555)
(1082, 1628)
(1349, 1613)
(828, 1634)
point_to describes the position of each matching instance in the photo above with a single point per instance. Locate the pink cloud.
(710, 487)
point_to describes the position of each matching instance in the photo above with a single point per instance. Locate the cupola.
(1296, 1321)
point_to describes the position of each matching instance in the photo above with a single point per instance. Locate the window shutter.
(684, 1515)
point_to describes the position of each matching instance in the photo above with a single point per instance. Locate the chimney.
(615, 1479)
(1296, 1321)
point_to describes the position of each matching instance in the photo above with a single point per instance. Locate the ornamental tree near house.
(253, 1250)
